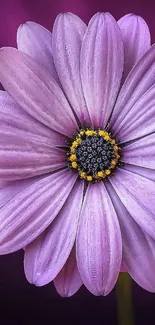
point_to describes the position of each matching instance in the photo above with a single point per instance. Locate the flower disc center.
(93, 154)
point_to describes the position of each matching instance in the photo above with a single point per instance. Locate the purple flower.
(77, 152)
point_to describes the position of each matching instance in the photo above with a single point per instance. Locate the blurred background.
(20, 302)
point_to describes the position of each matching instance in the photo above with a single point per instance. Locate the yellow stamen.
(113, 141)
(72, 157)
(101, 133)
(107, 172)
(83, 175)
(101, 174)
(89, 178)
(74, 164)
(90, 132)
(116, 148)
(106, 137)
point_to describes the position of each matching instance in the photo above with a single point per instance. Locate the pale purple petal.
(32, 210)
(68, 281)
(140, 79)
(102, 62)
(137, 193)
(99, 246)
(45, 257)
(27, 123)
(36, 41)
(34, 89)
(140, 120)
(68, 32)
(141, 152)
(136, 38)
(23, 155)
(138, 247)
(9, 189)
(146, 172)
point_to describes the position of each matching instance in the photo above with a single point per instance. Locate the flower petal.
(138, 247)
(36, 41)
(23, 155)
(27, 122)
(140, 79)
(32, 210)
(68, 281)
(33, 88)
(140, 120)
(141, 152)
(45, 257)
(136, 38)
(99, 246)
(137, 193)
(146, 172)
(9, 189)
(68, 32)
(102, 62)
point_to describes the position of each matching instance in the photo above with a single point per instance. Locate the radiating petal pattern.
(140, 79)
(36, 41)
(22, 155)
(101, 66)
(137, 193)
(99, 246)
(146, 172)
(27, 123)
(136, 38)
(45, 257)
(42, 98)
(68, 33)
(68, 281)
(140, 120)
(141, 152)
(138, 247)
(32, 210)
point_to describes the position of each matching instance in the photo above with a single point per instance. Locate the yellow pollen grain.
(74, 164)
(89, 178)
(72, 150)
(72, 157)
(106, 137)
(83, 175)
(90, 132)
(116, 148)
(81, 132)
(75, 144)
(113, 141)
(101, 133)
(107, 172)
(101, 174)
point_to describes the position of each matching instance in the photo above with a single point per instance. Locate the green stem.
(124, 300)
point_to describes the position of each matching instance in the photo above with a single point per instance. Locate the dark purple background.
(20, 302)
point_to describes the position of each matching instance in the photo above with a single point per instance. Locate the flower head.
(77, 152)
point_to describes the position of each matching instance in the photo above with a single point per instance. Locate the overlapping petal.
(45, 257)
(23, 155)
(140, 79)
(36, 41)
(99, 246)
(137, 193)
(141, 152)
(25, 122)
(138, 247)
(102, 62)
(136, 39)
(140, 120)
(33, 209)
(33, 88)
(68, 281)
(68, 33)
